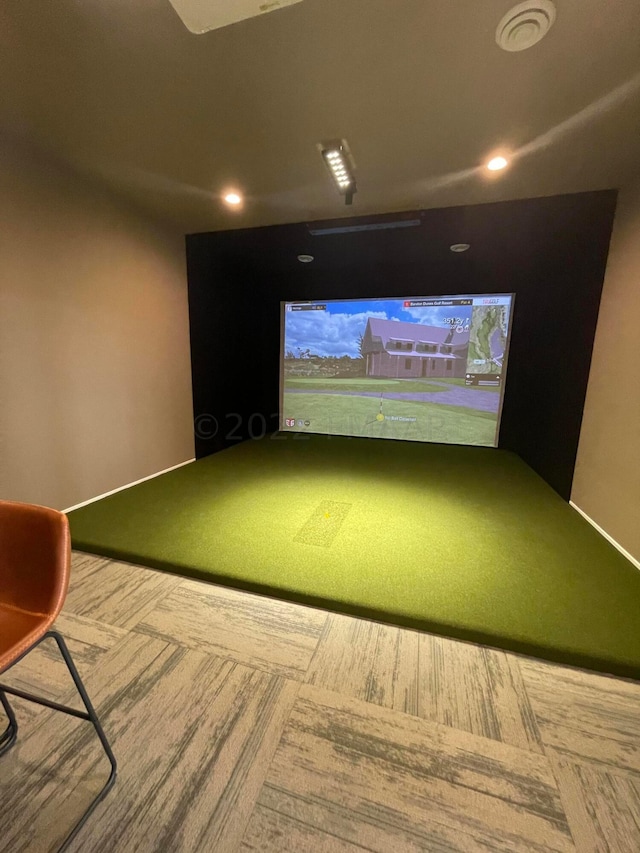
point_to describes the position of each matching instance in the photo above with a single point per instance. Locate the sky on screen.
(336, 331)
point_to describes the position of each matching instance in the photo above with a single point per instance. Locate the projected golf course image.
(417, 369)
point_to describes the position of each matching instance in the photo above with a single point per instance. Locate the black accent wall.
(550, 251)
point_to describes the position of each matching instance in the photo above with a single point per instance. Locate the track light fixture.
(339, 162)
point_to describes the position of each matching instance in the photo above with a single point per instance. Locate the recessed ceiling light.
(497, 163)
(305, 259)
(460, 247)
(233, 198)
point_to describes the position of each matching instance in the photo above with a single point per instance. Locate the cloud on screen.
(435, 316)
(325, 333)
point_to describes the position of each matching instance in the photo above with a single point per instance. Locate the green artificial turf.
(464, 541)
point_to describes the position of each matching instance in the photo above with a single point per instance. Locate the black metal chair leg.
(93, 718)
(8, 737)
(89, 715)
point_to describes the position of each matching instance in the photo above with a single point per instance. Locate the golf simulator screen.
(427, 368)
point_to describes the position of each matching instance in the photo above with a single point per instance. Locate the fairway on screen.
(417, 369)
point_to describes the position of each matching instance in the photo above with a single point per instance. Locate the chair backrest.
(35, 558)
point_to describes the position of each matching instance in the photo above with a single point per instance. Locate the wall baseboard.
(604, 533)
(128, 486)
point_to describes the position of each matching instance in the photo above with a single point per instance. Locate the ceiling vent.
(525, 24)
(200, 16)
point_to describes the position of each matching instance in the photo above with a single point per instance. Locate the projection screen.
(427, 368)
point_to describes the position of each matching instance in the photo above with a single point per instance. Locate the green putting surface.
(463, 541)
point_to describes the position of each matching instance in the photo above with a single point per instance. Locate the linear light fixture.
(339, 162)
(370, 226)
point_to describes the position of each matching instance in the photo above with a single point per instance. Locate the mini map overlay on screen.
(416, 369)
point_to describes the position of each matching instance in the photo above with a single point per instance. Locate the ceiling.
(122, 92)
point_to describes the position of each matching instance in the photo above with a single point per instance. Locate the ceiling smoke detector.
(525, 24)
(200, 16)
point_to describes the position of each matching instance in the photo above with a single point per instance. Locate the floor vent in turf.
(322, 526)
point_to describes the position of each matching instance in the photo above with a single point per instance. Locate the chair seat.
(19, 630)
(35, 559)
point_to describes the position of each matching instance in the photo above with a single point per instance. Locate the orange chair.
(35, 557)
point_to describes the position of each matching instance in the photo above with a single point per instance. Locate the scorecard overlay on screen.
(427, 368)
